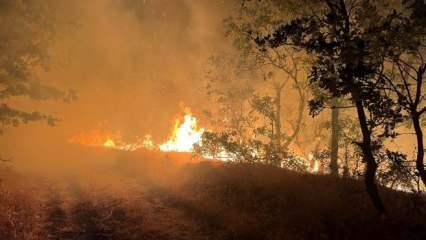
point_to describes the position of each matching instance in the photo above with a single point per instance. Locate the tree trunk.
(420, 147)
(278, 118)
(371, 165)
(334, 144)
(346, 166)
(299, 121)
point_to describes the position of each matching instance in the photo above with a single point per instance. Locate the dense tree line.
(367, 57)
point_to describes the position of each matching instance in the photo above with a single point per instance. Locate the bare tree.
(405, 79)
(286, 65)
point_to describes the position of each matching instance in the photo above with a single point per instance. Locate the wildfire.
(184, 136)
(109, 139)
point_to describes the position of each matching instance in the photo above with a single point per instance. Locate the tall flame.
(184, 136)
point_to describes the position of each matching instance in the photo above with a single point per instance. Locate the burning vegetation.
(290, 99)
(184, 136)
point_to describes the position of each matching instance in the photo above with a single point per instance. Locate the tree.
(404, 72)
(334, 141)
(347, 135)
(406, 81)
(24, 43)
(259, 17)
(334, 125)
(229, 88)
(281, 66)
(244, 120)
(346, 38)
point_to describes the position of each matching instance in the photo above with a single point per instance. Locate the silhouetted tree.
(404, 72)
(334, 141)
(351, 153)
(333, 126)
(347, 40)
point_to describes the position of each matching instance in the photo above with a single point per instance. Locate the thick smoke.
(133, 63)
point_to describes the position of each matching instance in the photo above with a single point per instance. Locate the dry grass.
(151, 195)
(260, 202)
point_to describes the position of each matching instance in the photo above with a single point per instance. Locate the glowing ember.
(184, 136)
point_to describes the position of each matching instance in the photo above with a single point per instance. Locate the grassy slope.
(231, 201)
(259, 202)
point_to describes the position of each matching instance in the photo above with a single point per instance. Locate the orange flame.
(108, 139)
(184, 136)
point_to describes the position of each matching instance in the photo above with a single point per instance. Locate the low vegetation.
(221, 200)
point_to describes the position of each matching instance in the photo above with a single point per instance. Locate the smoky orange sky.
(133, 66)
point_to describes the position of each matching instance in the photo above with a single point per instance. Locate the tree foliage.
(24, 44)
(350, 41)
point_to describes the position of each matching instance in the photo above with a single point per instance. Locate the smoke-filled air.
(212, 119)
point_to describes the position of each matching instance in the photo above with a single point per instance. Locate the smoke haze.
(134, 65)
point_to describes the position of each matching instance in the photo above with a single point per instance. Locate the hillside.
(154, 195)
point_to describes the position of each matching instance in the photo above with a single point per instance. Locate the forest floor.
(162, 221)
(158, 196)
(146, 212)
